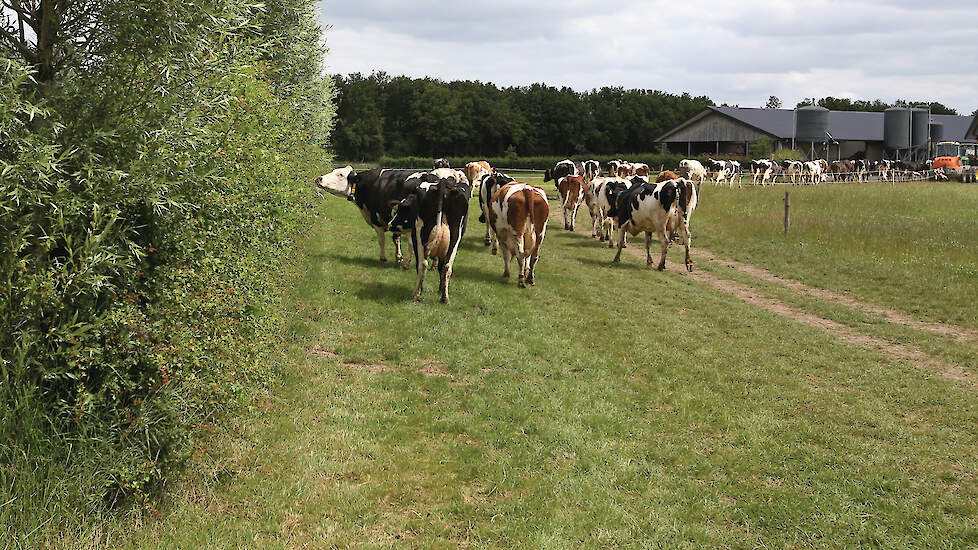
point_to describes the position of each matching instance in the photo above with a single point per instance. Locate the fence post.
(787, 211)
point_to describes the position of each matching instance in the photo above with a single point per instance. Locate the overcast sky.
(734, 52)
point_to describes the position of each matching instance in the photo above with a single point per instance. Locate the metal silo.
(896, 128)
(920, 126)
(811, 123)
(936, 132)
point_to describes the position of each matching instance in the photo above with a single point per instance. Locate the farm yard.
(814, 390)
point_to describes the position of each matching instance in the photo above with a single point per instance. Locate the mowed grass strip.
(909, 246)
(607, 406)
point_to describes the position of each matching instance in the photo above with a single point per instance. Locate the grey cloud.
(865, 49)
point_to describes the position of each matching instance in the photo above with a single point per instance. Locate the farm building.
(732, 130)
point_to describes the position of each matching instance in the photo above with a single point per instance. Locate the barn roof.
(843, 125)
(973, 129)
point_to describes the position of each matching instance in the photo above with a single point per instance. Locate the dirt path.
(962, 335)
(893, 350)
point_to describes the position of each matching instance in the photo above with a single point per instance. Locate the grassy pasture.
(911, 246)
(609, 406)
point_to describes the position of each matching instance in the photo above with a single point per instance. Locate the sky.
(738, 53)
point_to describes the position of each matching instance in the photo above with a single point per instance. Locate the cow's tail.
(437, 246)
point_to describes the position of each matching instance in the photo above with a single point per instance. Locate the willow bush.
(155, 172)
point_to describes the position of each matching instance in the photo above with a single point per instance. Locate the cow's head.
(403, 213)
(442, 163)
(340, 182)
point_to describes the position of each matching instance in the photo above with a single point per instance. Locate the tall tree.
(773, 102)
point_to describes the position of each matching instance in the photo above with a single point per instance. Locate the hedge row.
(149, 210)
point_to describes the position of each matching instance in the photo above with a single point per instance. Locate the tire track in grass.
(900, 352)
(960, 334)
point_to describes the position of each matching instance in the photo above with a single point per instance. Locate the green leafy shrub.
(148, 210)
(787, 154)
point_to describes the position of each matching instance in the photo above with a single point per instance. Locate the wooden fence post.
(787, 211)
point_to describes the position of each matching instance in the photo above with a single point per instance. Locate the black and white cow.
(435, 214)
(763, 169)
(442, 163)
(656, 209)
(566, 167)
(607, 191)
(592, 169)
(793, 169)
(374, 192)
(490, 183)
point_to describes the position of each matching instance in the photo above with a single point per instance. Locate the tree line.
(380, 115)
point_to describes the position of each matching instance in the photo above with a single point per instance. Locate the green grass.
(609, 406)
(913, 246)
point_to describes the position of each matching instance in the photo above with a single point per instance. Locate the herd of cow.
(432, 207)
(765, 171)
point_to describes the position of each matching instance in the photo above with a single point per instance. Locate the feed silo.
(811, 123)
(920, 126)
(936, 132)
(896, 128)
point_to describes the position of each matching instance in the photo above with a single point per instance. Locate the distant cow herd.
(432, 207)
(765, 171)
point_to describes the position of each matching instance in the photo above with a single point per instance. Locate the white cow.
(692, 170)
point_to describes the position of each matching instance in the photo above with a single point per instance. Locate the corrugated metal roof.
(843, 125)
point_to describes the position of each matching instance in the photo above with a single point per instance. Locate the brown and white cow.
(625, 169)
(474, 171)
(573, 190)
(666, 176)
(641, 169)
(518, 214)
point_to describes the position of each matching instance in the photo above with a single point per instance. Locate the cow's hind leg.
(621, 244)
(687, 242)
(382, 242)
(522, 257)
(507, 258)
(665, 248)
(648, 249)
(422, 269)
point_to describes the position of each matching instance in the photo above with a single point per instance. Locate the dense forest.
(149, 214)
(398, 116)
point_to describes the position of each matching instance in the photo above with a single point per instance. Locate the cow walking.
(572, 190)
(518, 214)
(435, 213)
(656, 209)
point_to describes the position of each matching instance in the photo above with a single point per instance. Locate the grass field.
(608, 406)
(912, 246)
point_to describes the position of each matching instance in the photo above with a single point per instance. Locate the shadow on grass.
(630, 264)
(371, 262)
(384, 293)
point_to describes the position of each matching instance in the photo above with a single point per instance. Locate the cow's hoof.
(444, 300)
(416, 297)
(383, 260)
(522, 283)
(662, 267)
(616, 260)
(405, 265)
(689, 267)
(495, 251)
(488, 242)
